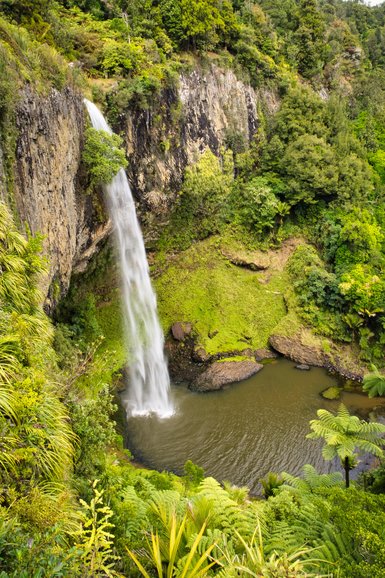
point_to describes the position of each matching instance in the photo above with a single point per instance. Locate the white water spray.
(149, 387)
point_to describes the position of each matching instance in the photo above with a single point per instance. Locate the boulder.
(221, 373)
(303, 367)
(293, 348)
(339, 359)
(181, 330)
(264, 353)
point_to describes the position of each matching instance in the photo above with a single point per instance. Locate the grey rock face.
(209, 107)
(49, 192)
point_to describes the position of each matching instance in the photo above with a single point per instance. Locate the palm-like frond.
(311, 480)
(344, 434)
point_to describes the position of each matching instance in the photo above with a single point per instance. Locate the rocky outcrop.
(338, 360)
(209, 108)
(181, 330)
(221, 373)
(49, 188)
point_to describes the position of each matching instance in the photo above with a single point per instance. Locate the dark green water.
(243, 432)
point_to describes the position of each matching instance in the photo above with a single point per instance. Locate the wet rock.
(200, 355)
(264, 353)
(180, 364)
(303, 367)
(221, 373)
(181, 330)
(294, 349)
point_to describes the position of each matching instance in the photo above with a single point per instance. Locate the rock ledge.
(221, 373)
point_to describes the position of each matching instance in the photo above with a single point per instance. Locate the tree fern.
(311, 480)
(343, 433)
(132, 513)
(227, 515)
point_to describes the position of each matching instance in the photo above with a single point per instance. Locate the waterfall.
(149, 382)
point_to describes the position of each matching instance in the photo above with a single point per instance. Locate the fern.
(226, 514)
(133, 517)
(311, 480)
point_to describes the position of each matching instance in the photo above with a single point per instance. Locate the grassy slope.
(200, 285)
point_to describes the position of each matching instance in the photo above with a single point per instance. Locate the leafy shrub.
(92, 423)
(102, 155)
(256, 205)
(374, 383)
(313, 283)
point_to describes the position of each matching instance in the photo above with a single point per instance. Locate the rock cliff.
(49, 186)
(210, 107)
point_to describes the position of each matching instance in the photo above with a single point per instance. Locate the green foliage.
(25, 552)
(92, 423)
(193, 474)
(170, 553)
(37, 439)
(102, 156)
(311, 481)
(256, 205)
(374, 383)
(270, 483)
(344, 434)
(309, 38)
(256, 562)
(364, 290)
(311, 169)
(317, 291)
(95, 539)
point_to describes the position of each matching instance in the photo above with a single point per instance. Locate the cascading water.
(149, 387)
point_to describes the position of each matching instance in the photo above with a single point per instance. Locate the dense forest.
(72, 501)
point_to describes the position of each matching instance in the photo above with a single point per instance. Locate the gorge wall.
(209, 107)
(49, 192)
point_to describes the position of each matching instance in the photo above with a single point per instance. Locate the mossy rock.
(332, 392)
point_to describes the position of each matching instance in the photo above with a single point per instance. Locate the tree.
(207, 187)
(344, 435)
(309, 38)
(257, 205)
(311, 169)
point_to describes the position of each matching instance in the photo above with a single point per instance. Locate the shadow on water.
(245, 431)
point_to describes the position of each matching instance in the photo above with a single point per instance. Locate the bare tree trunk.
(347, 469)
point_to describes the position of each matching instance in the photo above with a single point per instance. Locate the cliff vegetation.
(265, 217)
